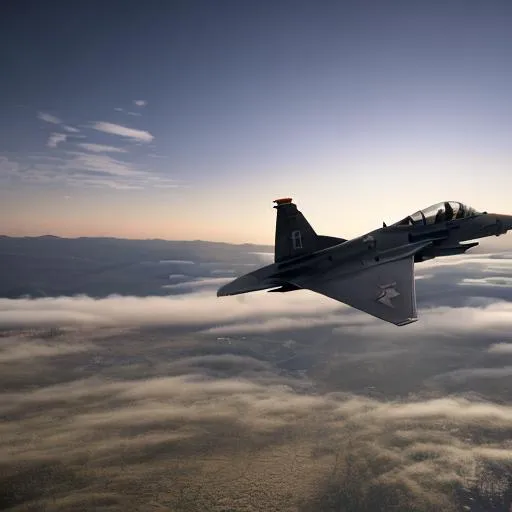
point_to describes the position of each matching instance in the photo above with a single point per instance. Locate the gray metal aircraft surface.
(374, 272)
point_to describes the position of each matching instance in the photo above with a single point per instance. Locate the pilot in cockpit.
(448, 215)
(444, 214)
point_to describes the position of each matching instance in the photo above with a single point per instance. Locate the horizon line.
(133, 239)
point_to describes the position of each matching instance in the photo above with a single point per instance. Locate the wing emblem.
(386, 293)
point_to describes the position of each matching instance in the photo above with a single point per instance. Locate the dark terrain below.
(50, 266)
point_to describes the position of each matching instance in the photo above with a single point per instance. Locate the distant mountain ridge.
(137, 240)
(100, 266)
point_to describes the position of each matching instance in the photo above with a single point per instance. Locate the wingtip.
(407, 322)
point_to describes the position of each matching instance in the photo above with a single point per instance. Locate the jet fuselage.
(347, 270)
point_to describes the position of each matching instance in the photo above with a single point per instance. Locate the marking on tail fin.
(297, 239)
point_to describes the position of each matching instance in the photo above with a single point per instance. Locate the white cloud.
(285, 324)
(168, 185)
(140, 103)
(127, 112)
(80, 168)
(500, 348)
(17, 351)
(116, 185)
(176, 262)
(101, 148)
(257, 312)
(201, 309)
(48, 118)
(488, 281)
(103, 164)
(466, 374)
(266, 257)
(55, 139)
(495, 316)
(70, 129)
(197, 284)
(123, 131)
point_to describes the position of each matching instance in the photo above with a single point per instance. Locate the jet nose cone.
(503, 223)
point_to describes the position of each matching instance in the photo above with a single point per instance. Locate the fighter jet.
(374, 272)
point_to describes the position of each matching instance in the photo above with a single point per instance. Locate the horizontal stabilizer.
(244, 284)
(259, 279)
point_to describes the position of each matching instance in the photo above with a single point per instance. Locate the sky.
(186, 119)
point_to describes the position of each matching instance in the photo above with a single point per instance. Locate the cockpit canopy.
(440, 212)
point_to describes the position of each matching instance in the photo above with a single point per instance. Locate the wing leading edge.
(385, 291)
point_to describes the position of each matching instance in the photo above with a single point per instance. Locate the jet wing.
(385, 291)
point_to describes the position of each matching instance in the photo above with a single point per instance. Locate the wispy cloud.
(140, 103)
(198, 309)
(199, 284)
(501, 348)
(255, 312)
(101, 148)
(114, 184)
(128, 112)
(102, 165)
(55, 139)
(70, 129)
(90, 165)
(84, 169)
(101, 170)
(16, 349)
(123, 131)
(48, 118)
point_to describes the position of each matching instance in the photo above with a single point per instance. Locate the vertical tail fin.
(294, 235)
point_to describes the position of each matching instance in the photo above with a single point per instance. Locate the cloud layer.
(273, 402)
(123, 131)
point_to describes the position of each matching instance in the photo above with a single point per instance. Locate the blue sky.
(184, 120)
